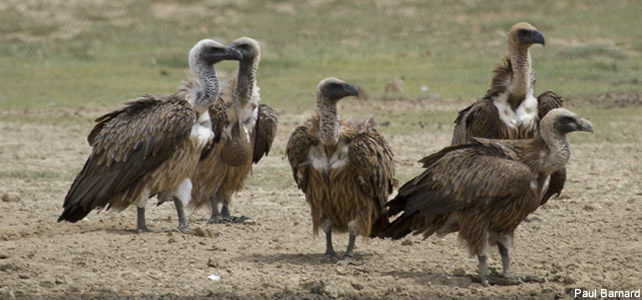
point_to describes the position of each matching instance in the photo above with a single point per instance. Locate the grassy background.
(96, 54)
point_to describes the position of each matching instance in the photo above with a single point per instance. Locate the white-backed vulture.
(484, 188)
(344, 167)
(247, 132)
(151, 146)
(509, 110)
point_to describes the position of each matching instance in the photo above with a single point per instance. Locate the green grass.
(100, 54)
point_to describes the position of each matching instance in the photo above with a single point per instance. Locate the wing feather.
(372, 160)
(264, 131)
(460, 176)
(127, 144)
(297, 150)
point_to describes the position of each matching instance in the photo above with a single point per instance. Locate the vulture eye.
(567, 119)
(334, 85)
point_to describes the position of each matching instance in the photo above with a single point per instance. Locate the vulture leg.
(349, 251)
(352, 230)
(503, 251)
(182, 222)
(225, 211)
(483, 269)
(225, 216)
(216, 215)
(329, 250)
(140, 220)
(140, 212)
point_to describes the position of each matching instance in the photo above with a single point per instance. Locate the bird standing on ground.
(151, 146)
(247, 130)
(344, 167)
(510, 110)
(484, 189)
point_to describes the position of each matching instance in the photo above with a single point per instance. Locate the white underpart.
(144, 196)
(202, 129)
(320, 161)
(545, 185)
(526, 112)
(340, 157)
(534, 185)
(184, 191)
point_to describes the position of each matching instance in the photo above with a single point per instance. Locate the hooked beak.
(351, 89)
(585, 125)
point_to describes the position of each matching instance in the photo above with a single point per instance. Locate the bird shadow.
(434, 278)
(302, 259)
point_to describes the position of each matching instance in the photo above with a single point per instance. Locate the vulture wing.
(480, 119)
(297, 152)
(548, 101)
(264, 131)
(127, 144)
(373, 163)
(482, 173)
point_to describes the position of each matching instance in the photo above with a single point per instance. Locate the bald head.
(564, 121)
(211, 52)
(334, 89)
(524, 35)
(249, 47)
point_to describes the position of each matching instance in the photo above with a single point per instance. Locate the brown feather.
(356, 191)
(128, 146)
(264, 131)
(475, 188)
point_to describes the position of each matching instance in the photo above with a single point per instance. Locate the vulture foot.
(226, 220)
(330, 257)
(182, 228)
(347, 260)
(142, 229)
(498, 279)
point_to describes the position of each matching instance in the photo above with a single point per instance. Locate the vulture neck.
(328, 123)
(520, 59)
(209, 86)
(558, 152)
(245, 82)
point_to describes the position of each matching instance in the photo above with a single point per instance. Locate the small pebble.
(11, 197)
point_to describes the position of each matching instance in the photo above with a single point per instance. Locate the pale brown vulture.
(344, 167)
(509, 110)
(484, 188)
(151, 146)
(247, 131)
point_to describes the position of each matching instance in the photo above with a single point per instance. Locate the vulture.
(151, 146)
(344, 167)
(247, 130)
(483, 189)
(509, 110)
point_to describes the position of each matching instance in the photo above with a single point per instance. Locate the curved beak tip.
(234, 54)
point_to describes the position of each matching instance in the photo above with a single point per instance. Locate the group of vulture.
(197, 146)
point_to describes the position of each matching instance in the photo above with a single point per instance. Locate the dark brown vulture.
(344, 167)
(484, 188)
(509, 110)
(151, 146)
(247, 131)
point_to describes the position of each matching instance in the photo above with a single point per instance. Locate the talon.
(142, 230)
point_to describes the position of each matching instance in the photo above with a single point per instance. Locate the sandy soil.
(588, 238)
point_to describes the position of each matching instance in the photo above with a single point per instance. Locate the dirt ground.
(588, 238)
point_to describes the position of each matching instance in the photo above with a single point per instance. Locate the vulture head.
(248, 47)
(333, 89)
(524, 35)
(563, 121)
(210, 52)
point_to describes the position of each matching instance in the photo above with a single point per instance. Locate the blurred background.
(98, 53)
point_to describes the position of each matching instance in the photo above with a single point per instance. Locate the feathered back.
(127, 144)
